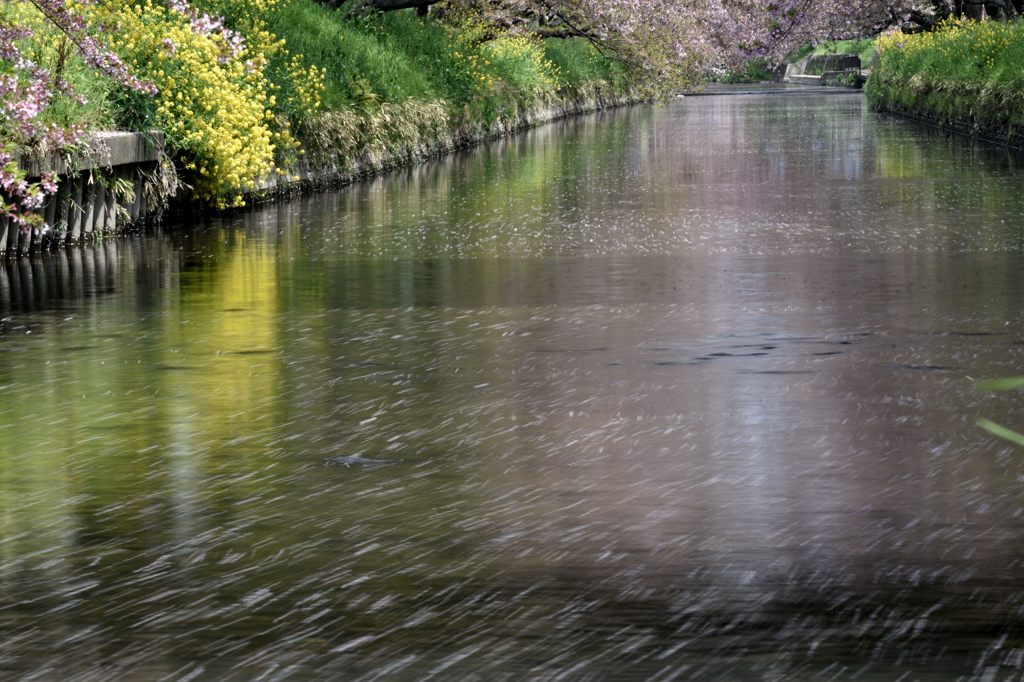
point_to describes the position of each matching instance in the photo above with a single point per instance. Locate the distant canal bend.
(674, 392)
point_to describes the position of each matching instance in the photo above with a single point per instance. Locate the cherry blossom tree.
(674, 42)
(27, 89)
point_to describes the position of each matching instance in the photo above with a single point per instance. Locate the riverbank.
(91, 203)
(274, 96)
(332, 159)
(966, 77)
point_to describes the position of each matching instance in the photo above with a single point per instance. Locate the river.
(684, 391)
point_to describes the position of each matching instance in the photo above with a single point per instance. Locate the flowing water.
(673, 392)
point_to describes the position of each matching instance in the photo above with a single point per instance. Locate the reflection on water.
(666, 393)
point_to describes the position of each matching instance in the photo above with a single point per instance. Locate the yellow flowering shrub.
(296, 86)
(520, 60)
(216, 102)
(965, 49)
(501, 71)
(472, 65)
(966, 71)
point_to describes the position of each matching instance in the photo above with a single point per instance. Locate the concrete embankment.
(322, 171)
(107, 187)
(842, 70)
(964, 124)
(119, 183)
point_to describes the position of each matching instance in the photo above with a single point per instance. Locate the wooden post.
(135, 211)
(109, 210)
(5, 285)
(61, 214)
(22, 236)
(4, 231)
(99, 206)
(50, 210)
(76, 212)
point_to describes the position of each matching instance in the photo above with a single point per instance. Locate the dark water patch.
(823, 342)
(958, 333)
(723, 354)
(924, 367)
(677, 363)
(777, 371)
(358, 461)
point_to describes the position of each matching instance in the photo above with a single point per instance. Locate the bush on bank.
(223, 96)
(235, 85)
(965, 72)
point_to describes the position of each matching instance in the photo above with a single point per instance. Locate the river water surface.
(674, 392)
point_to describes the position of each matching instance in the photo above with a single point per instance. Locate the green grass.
(396, 80)
(582, 70)
(970, 73)
(1009, 384)
(862, 47)
(398, 56)
(364, 61)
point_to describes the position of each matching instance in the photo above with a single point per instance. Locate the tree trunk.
(422, 6)
(392, 5)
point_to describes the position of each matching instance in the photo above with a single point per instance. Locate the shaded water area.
(676, 392)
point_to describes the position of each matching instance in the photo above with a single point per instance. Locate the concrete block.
(108, 150)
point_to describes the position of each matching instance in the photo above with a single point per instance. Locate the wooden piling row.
(85, 206)
(102, 194)
(30, 284)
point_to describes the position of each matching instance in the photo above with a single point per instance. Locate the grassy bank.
(249, 88)
(968, 75)
(862, 47)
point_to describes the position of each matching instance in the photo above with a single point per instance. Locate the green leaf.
(1001, 431)
(1001, 384)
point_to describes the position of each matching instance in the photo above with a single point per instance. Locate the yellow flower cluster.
(521, 58)
(215, 104)
(472, 63)
(23, 13)
(308, 85)
(305, 84)
(973, 47)
(966, 71)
